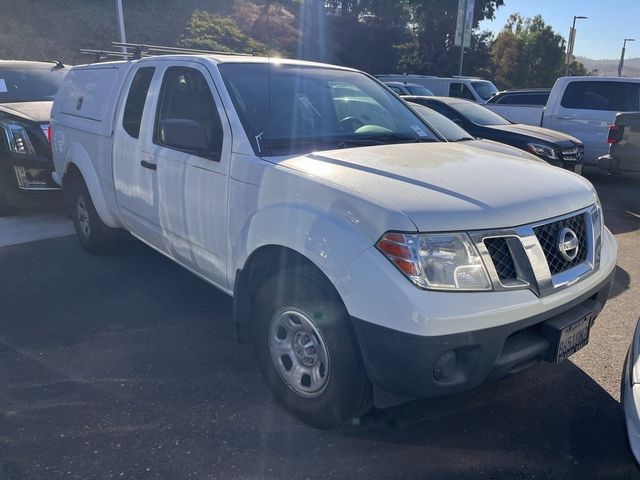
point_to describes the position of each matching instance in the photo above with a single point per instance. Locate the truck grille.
(502, 260)
(548, 237)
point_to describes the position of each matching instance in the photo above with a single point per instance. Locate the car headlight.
(18, 139)
(542, 151)
(438, 261)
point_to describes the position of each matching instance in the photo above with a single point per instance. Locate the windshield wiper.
(384, 139)
(463, 139)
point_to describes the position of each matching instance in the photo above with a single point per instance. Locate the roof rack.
(141, 49)
(101, 55)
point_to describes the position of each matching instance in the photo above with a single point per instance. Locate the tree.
(432, 23)
(528, 53)
(215, 32)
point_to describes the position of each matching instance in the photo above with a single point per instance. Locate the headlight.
(18, 139)
(439, 261)
(542, 151)
(597, 217)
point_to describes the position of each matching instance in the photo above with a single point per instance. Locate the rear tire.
(94, 236)
(307, 351)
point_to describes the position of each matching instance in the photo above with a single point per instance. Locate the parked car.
(556, 148)
(477, 90)
(583, 107)
(527, 96)
(624, 145)
(27, 90)
(452, 132)
(406, 88)
(367, 261)
(630, 394)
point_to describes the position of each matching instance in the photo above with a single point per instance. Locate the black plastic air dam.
(403, 364)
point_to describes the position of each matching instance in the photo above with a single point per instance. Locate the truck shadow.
(546, 422)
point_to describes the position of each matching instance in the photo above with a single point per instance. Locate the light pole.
(624, 47)
(120, 15)
(572, 39)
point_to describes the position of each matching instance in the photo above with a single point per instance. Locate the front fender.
(77, 156)
(330, 240)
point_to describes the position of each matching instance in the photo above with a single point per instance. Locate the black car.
(556, 148)
(530, 96)
(27, 90)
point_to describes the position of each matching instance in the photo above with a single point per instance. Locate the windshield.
(30, 84)
(441, 124)
(299, 109)
(478, 114)
(484, 89)
(419, 90)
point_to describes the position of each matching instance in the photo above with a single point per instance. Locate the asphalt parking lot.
(125, 366)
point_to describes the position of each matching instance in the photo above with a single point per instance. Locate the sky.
(600, 36)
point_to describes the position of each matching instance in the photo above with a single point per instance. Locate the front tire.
(306, 349)
(94, 236)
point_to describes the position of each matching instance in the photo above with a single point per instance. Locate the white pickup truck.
(583, 107)
(368, 259)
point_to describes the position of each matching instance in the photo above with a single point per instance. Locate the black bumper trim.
(406, 365)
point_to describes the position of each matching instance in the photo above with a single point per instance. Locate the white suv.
(368, 259)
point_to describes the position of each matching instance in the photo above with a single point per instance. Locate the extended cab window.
(609, 96)
(135, 101)
(185, 95)
(460, 90)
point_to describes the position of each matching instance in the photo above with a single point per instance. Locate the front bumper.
(417, 367)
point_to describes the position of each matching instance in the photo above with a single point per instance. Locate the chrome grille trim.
(530, 261)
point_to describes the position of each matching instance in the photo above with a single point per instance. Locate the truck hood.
(447, 186)
(39, 112)
(535, 132)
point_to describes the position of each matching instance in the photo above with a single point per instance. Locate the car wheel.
(93, 234)
(307, 351)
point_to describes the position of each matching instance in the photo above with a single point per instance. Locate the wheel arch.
(78, 164)
(262, 264)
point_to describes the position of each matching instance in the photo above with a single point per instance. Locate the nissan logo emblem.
(568, 244)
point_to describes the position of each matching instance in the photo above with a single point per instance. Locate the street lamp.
(624, 47)
(120, 17)
(572, 39)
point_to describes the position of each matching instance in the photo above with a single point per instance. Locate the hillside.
(46, 30)
(606, 67)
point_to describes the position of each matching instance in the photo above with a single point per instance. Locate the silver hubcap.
(299, 353)
(82, 214)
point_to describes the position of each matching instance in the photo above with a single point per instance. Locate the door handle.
(149, 165)
(565, 117)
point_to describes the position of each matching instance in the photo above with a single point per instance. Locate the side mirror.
(184, 134)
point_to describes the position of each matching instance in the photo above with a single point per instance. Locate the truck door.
(191, 186)
(133, 174)
(587, 108)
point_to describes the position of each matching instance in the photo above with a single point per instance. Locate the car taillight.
(49, 133)
(615, 134)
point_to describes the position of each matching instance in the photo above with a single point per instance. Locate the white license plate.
(573, 338)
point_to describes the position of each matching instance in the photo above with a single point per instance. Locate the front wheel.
(93, 234)
(306, 350)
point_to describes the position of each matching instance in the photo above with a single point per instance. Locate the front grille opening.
(548, 237)
(502, 259)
